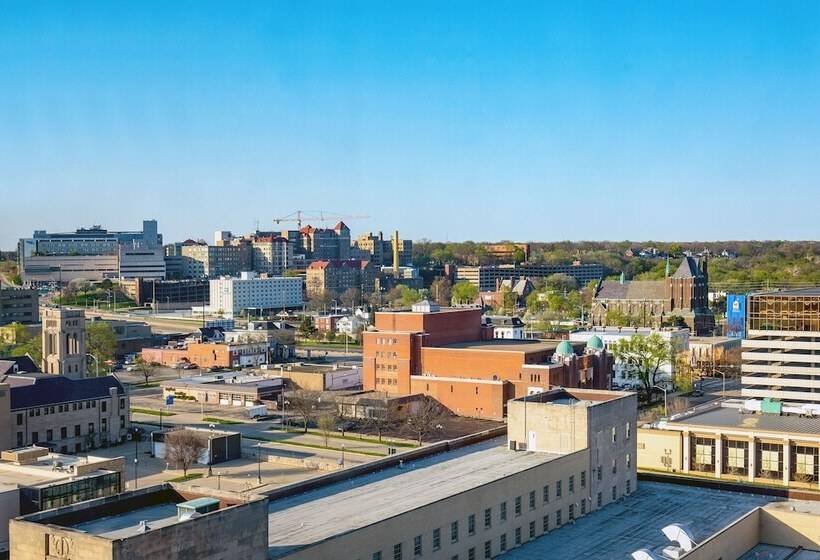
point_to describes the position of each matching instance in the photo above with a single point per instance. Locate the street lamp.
(665, 409)
(284, 416)
(259, 462)
(722, 374)
(211, 450)
(136, 478)
(342, 460)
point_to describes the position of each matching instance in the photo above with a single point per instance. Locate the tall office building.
(64, 348)
(781, 351)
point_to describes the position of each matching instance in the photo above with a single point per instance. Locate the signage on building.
(736, 315)
(60, 546)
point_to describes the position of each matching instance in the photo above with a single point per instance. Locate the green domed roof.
(595, 343)
(564, 349)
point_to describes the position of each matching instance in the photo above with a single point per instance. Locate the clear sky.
(447, 120)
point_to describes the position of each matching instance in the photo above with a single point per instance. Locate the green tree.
(307, 329)
(146, 369)
(101, 342)
(561, 283)
(464, 292)
(616, 318)
(642, 358)
(442, 289)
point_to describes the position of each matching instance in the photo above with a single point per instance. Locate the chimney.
(396, 254)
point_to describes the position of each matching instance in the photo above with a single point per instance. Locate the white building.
(351, 325)
(507, 327)
(229, 296)
(608, 335)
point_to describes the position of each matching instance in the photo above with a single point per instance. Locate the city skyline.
(444, 122)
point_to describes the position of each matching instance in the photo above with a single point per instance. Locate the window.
(545, 524)
(436, 539)
(600, 470)
(91, 427)
(19, 439)
(488, 518)
(454, 532)
(488, 549)
(503, 512)
(558, 520)
(471, 524)
(600, 499)
(628, 460)
(583, 506)
(103, 406)
(76, 430)
(518, 535)
(628, 486)
(614, 435)
(771, 459)
(583, 479)
(417, 551)
(614, 466)
(704, 454)
(558, 489)
(805, 463)
(628, 430)
(532, 500)
(49, 435)
(532, 529)
(397, 551)
(502, 542)
(517, 506)
(35, 437)
(571, 484)
(471, 553)
(19, 419)
(546, 496)
(571, 512)
(614, 493)
(63, 432)
(376, 555)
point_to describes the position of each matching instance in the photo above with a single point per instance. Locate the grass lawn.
(213, 420)
(349, 436)
(315, 446)
(153, 412)
(186, 478)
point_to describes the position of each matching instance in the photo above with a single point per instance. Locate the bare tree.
(183, 448)
(327, 424)
(382, 419)
(304, 404)
(424, 418)
(146, 369)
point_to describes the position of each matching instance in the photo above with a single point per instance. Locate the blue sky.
(446, 120)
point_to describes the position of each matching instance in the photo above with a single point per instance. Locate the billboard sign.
(736, 315)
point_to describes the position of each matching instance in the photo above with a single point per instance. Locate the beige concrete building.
(479, 502)
(167, 521)
(68, 415)
(735, 442)
(777, 531)
(64, 342)
(32, 479)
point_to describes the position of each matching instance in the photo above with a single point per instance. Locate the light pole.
(259, 462)
(211, 451)
(136, 478)
(722, 374)
(284, 416)
(342, 460)
(219, 481)
(665, 409)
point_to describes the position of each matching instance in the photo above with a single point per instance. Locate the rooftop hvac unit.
(679, 534)
(644, 554)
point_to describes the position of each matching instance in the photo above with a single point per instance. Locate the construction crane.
(319, 216)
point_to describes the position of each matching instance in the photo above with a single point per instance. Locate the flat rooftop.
(797, 292)
(127, 523)
(505, 345)
(45, 470)
(619, 529)
(300, 521)
(772, 552)
(727, 417)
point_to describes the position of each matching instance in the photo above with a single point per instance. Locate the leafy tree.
(642, 358)
(464, 292)
(561, 283)
(183, 448)
(409, 296)
(441, 288)
(616, 318)
(101, 341)
(518, 255)
(307, 328)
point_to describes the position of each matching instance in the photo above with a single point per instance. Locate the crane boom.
(319, 216)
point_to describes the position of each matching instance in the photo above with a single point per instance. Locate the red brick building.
(449, 355)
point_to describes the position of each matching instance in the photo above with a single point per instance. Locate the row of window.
(60, 408)
(77, 432)
(518, 535)
(386, 341)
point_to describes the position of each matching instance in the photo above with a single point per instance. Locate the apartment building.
(19, 305)
(781, 352)
(379, 251)
(70, 416)
(336, 276)
(272, 255)
(321, 243)
(230, 296)
(200, 260)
